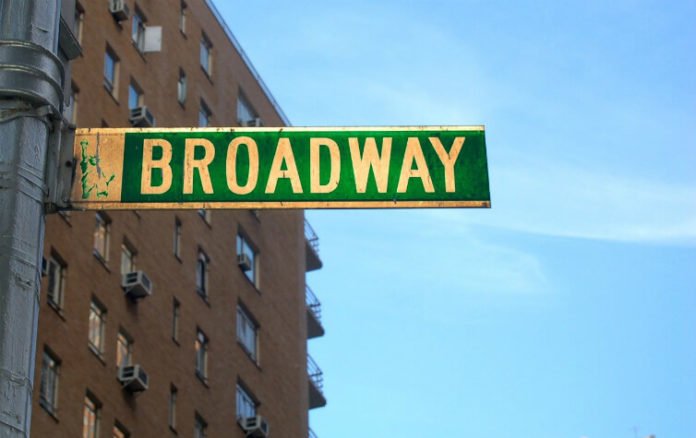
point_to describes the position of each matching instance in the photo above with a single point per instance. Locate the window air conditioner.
(140, 116)
(255, 122)
(136, 285)
(119, 9)
(256, 427)
(133, 378)
(244, 262)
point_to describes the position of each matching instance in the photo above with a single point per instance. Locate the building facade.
(173, 323)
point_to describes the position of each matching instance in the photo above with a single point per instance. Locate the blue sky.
(566, 310)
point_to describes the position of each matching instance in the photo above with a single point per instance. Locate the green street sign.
(381, 167)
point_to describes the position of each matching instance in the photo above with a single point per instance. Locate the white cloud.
(557, 199)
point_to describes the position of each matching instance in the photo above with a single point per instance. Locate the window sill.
(205, 297)
(203, 380)
(251, 282)
(56, 308)
(97, 354)
(207, 75)
(140, 52)
(251, 357)
(51, 412)
(101, 260)
(112, 94)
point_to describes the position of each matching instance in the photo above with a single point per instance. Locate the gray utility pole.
(31, 105)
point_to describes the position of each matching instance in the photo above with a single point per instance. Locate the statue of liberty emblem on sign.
(91, 165)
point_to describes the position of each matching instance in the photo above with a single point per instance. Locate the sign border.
(245, 205)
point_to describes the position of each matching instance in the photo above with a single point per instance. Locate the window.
(202, 274)
(124, 350)
(204, 115)
(135, 96)
(176, 314)
(246, 405)
(119, 431)
(206, 55)
(101, 236)
(201, 346)
(181, 87)
(173, 393)
(205, 214)
(111, 71)
(138, 30)
(79, 22)
(246, 116)
(177, 238)
(247, 331)
(72, 107)
(56, 280)
(200, 428)
(97, 323)
(48, 392)
(247, 259)
(90, 417)
(127, 258)
(183, 10)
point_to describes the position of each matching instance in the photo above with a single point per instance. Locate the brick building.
(219, 337)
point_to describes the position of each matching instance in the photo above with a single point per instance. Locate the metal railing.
(316, 375)
(311, 236)
(313, 303)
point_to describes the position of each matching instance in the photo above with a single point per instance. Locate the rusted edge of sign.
(80, 131)
(277, 205)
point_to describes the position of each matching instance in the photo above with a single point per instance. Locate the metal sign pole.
(31, 83)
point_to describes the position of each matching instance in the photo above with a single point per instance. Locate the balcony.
(314, 327)
(316, 384)
(313, 262)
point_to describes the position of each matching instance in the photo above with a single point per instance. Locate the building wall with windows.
(224, 332)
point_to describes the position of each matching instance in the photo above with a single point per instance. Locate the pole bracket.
(32, 73)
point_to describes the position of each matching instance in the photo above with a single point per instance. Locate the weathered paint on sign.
(159, 168)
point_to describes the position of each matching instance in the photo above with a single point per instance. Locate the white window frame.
(203, 274)
(176, 319)
(91, 417)
(173, 394)
(200, 427)
(138, 30)
(124, 349)
(201, 347)
(246, 404)
(204, 115)
(136, 96)
(244, 246)
(245, 111)
(101, 236)
(181, 87)
(111, 64)
(97, 327)
(79, 23)
(183, 10)
(247, 332)
(119, 431)
(57, 273)
(206, 55)
(50, 373)
(128, 258)
(177, 238)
